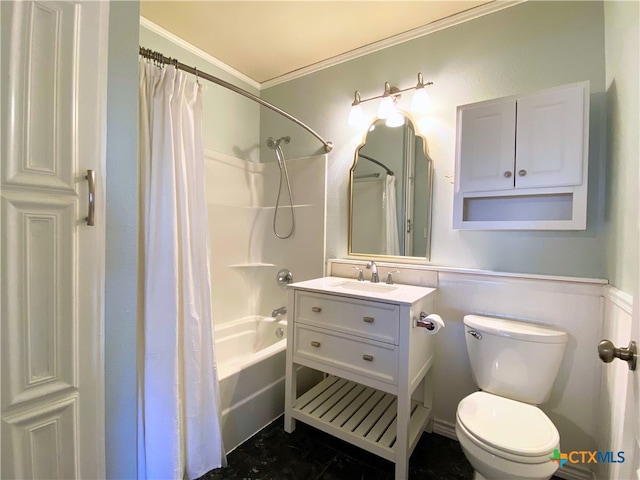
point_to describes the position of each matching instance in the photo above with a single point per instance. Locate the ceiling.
(267, 39)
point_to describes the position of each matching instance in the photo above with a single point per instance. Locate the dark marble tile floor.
(309, 454)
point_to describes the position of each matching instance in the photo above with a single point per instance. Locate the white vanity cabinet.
(377, 393)
(522, 161)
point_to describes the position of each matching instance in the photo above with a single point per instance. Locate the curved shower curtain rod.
(389, 172)
(160, 58)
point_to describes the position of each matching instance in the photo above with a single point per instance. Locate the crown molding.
(433, 27)
(447, 22)
(155, 28)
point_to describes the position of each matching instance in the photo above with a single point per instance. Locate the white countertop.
(397, 293)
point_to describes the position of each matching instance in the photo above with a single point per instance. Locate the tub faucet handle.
(360, 274)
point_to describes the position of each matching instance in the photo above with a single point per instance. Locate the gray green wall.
(121, 291)
(524, 48)
(623, 117)
(231, 122)
(530, 46)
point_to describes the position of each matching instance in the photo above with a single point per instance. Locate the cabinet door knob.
(368, 358)
(367, 319)
(507, 174)
(522, 172)
(315, 344)
(316, 309)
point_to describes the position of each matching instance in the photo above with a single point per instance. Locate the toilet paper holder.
(424, 322)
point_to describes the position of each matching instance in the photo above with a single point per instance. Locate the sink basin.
(366, 287)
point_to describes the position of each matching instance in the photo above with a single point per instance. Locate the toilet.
(502, 432)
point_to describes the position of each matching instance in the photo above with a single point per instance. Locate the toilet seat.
(495, 424)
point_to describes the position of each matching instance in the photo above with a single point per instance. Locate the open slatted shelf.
(357, 414)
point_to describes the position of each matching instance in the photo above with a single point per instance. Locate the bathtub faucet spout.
(279, 311)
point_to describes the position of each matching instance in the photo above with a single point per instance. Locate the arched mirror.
(390, 193)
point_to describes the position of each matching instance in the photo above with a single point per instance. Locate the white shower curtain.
(179, 427)
(391, 241)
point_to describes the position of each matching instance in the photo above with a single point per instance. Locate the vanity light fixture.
(389, 98)
(356, 115)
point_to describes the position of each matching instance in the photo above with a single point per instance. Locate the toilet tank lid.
(529, 332)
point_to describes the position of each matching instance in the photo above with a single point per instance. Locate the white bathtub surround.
(246, 256)
(246, 341)
(575, 305)
(179, 429)
(251, 375)
(241, 197)
(251, 370)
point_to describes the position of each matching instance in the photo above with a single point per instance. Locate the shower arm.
(160, 58)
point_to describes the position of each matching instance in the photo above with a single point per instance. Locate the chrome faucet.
(374, 271)
(279, 311)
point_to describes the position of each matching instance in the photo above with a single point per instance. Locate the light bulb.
(421, 101)
(356, 115)
(395, 120)
(386, 108)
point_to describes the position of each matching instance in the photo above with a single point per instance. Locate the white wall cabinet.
(522, 161)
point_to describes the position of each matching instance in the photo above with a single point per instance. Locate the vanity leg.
(402, 469)
(402, 436)
(289, 423)
(291, 369)
(428, 398)
(290, 396)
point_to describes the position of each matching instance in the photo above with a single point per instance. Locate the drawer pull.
(367, 319)
(316, 309)
(315, 344)
(368, 358)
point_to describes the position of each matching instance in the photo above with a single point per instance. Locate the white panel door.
(550, 138)
(630, 468)
(487, 135)
(52, 263)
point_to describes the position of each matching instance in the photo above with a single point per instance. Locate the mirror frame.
(395, 258)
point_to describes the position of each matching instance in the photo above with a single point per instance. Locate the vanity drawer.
(358, 355)
(375, 320)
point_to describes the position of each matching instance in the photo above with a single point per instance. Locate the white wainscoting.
(575, 305)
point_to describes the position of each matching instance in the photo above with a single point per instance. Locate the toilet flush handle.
(474, 334)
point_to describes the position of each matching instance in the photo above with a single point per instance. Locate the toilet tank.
(514, 359)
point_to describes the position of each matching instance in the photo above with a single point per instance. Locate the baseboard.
(575, 472)
(445, 429)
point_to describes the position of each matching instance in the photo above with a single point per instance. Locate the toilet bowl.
(502, 432)
(506, 439)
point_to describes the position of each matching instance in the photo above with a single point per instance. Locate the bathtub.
(250, 355)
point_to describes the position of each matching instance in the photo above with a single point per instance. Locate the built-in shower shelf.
(298, 205)
(252, 265)
(360, 415)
